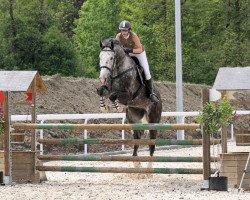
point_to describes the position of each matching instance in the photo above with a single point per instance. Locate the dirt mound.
(78, 95)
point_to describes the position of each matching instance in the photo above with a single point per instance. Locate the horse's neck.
(123, 64)
(126, 68)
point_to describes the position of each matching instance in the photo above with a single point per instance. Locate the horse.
(121, 81)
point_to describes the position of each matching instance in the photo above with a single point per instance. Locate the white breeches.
(142, 57)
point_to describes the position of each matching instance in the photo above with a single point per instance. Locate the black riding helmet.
(125, 25)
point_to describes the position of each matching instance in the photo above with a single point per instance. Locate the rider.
(133, 47)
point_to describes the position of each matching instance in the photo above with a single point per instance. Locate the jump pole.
(33, 126)
(120, 170)
(158, 142)
(121, 158)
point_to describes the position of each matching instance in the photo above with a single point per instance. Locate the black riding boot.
(153, 97)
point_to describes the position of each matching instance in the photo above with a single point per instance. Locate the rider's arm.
(138, 46)
(118, 36)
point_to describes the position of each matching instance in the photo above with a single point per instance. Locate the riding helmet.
(125, 25)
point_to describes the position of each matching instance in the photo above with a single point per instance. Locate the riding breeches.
(143, 62)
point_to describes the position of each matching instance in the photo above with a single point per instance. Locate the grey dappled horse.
(121, 81)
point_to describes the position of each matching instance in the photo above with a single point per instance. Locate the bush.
(214, 116)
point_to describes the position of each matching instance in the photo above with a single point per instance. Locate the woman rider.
(133, 47)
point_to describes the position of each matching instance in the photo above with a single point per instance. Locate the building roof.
(232, 78)
(21, 81)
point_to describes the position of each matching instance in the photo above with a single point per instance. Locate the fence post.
(85, 137)
(41, 137)
(123, 133)
(7, 179)
(206, 147)
(224, 132)
(181, 133)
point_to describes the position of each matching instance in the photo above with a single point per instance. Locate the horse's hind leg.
(134, 115)
(152, 135)
(137, 136)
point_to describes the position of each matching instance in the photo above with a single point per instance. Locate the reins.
(124, 72)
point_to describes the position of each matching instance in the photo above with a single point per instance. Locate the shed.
(228, 81)
(21, 81)
(232, 78)
(20, 167)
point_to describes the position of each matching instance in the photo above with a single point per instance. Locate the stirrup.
(153, 97)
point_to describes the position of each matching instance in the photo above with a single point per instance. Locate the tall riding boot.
(153, 97)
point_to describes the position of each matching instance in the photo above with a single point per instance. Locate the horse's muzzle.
(102, 91)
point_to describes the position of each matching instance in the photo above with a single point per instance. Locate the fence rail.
(42, 118)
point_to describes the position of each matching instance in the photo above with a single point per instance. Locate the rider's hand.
(128, 50)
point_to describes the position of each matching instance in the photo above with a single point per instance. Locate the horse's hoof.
(119, 109)
(105, 109)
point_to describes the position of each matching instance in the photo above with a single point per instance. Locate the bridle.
(112, 77)
(105, 67)
(113, 65)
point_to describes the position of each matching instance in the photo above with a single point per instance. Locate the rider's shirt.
(132, 42)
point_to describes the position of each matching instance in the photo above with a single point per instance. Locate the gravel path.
(63, 185)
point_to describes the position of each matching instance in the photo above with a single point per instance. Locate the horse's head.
(111, 51)
(106, 61)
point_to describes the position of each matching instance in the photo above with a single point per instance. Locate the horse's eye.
(111, 58)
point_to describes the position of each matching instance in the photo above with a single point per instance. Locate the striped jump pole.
(120, 170)
(26, 126)
(158, 142)
(122, 158)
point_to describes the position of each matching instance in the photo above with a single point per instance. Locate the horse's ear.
(100, 44)
(112, 44)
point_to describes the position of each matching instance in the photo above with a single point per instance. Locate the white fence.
(52, 117)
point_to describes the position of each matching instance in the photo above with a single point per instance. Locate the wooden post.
(7, 142)
(35, 176)
(224, 132)
(33, 115)
(206, 147)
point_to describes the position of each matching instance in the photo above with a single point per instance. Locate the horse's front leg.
(137, 136)
(103, 92)
(152, 135)
(103, 107)
(122, 97)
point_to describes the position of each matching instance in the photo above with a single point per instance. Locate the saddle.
(139, 68)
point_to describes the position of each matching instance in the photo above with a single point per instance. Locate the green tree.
(31, 39)
(214, 34)
(153, 21)
(213, 37)
(58, 54)
(67, 11)
(98, 19)
(22, 34)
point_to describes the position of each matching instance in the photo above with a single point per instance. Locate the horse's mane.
(118, 47)
(107, 42)
(115, 41)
